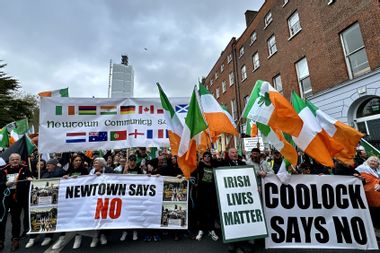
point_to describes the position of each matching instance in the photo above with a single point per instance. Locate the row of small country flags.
(114, 110)
(77, 137)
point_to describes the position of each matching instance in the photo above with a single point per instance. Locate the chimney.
(250, 16)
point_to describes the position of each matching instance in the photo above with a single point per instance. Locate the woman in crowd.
(76, 168)
(99, 167)
(370, 171)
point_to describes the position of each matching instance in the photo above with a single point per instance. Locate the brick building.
(327, 51)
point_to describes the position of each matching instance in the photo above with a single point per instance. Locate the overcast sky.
(56, 44)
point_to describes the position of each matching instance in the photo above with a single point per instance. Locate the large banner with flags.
(318, 212)
(108, 201)
(76, 124)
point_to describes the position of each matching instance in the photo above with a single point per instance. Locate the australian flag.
(97, 136)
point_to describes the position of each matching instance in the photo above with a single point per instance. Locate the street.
(167, 244)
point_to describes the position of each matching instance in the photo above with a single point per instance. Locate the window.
(229, 58)
(223, 86)
(294, 24)
(211, 82)
(284, 2)
(256, 61)
(241, 52)
(253, 37)
(233, 109)
(217, 92)
(267, 19)
(231, 78)
(304, 78)
(277, 83)
(354, 51)
(221, 68)
(272, 48)
(243, 73)
(216, 75)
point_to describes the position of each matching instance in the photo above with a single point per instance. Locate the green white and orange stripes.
(313, 139)
(55, 93)
(218, 120)
(269, 107)
(341, 133)
(191, 136)
(173, 122)
(277, 139)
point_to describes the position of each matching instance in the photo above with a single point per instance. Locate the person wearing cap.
(52, 170)
(261, 166)
(16, 177)
(131, 168)
(276, 161)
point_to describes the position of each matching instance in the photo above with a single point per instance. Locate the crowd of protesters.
(16, 175)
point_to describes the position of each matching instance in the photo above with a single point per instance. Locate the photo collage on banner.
(174, 205)
(43, 205)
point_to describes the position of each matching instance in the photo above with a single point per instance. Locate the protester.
(16, 177)
(99, 167)
(120, 168)
(370, 171)
(131, 168)
(276, 161)
(52, 170)
(76, 168)
(206, 202)
(260, 165)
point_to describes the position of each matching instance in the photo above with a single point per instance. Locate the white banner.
(108, 202)
(240, 208)
(317, 212)
(76, 124)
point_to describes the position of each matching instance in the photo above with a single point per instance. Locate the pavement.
(166, 245)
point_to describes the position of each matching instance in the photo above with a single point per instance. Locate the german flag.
(127, 109)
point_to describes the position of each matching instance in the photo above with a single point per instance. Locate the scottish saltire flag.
(182, 108)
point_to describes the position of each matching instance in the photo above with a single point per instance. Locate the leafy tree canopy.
(14, 104)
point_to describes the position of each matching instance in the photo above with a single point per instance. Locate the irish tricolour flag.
(55, 93)
(277, 139)
(173, 122)
(269, 107)
(313, 139)
(218, 120)
(345, 135)
(191, 136)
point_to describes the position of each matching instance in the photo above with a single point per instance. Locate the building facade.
(122, 83)
(327, 51)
